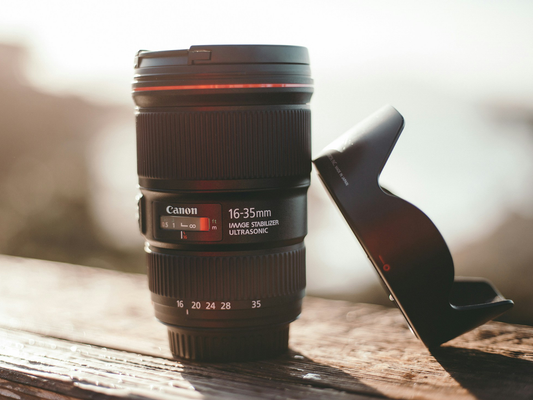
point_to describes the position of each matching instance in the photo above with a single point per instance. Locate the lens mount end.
(225, 345)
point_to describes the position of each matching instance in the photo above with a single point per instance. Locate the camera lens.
(224, 161)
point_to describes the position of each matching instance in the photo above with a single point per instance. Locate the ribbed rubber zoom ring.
(227, 278)
(211, 145)
(234, 345)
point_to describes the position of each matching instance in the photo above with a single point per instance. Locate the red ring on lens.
(224, 86)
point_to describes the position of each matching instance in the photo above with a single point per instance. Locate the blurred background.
(460, 72)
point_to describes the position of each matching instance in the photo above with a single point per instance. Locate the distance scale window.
(189, 222)
(201, 224)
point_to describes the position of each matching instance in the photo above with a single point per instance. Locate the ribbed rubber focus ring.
(230, 144)
(227, 278)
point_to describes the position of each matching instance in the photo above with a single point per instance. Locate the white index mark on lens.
(187, 311)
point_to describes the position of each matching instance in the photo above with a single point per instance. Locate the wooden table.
(71, 332)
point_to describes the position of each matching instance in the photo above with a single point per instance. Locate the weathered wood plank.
(338, 349)
(29, 387)
(116, 373)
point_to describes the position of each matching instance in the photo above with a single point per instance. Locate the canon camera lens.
(223, 158)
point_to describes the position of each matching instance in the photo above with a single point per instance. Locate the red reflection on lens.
(224, 86)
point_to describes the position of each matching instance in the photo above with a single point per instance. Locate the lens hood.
(405, 247)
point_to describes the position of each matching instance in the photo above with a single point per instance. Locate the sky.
(455, 43)
(439, 63)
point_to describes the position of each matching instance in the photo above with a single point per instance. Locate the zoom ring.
(248, 144)
(227, 278)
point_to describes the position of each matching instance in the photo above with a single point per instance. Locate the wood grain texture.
(86, 333)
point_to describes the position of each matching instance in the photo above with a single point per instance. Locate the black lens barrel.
(224, 157)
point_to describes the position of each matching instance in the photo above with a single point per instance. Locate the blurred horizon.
(459, 72)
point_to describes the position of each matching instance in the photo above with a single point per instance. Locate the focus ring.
(227, 278)
(211, 145)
